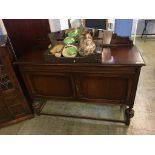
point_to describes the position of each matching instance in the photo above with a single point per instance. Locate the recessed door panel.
(50, 84)
(104, 86)
(4, 113)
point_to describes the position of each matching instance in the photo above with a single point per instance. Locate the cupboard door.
(4, 113)
(52, 85)
(104, 87)
(33, 31)
(13, 101)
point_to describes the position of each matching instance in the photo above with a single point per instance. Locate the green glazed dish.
(70, 51)
(75, 33)
(69, 40)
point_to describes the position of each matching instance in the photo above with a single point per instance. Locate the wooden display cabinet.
(13, 104)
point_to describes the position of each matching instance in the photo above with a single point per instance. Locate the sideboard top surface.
(110, 56)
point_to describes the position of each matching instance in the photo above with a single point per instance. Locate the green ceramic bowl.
(69, 40)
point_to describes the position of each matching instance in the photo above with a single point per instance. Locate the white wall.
(54, 25)
(58, 24)
(112, 22)
(134, 26)
(64, 24)
(150, 27)
(2, 28)
(140, 27)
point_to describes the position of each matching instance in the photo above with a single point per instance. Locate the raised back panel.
(26, 33)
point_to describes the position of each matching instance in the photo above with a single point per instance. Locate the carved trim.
(5, 82)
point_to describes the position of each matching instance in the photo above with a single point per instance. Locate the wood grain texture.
(12, 100)
(26, 33)
(109, 84)
(113, 81)
(120, 56)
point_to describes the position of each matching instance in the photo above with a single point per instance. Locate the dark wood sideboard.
(112, 81)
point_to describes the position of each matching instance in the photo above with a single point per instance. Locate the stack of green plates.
(69, 40)
(75, 33)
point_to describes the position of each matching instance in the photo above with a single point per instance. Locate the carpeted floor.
(142, 123)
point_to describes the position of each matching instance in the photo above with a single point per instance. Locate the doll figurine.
(86, 44)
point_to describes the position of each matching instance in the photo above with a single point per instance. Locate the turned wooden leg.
(121, 107)
(129, 112)
(38, 105)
